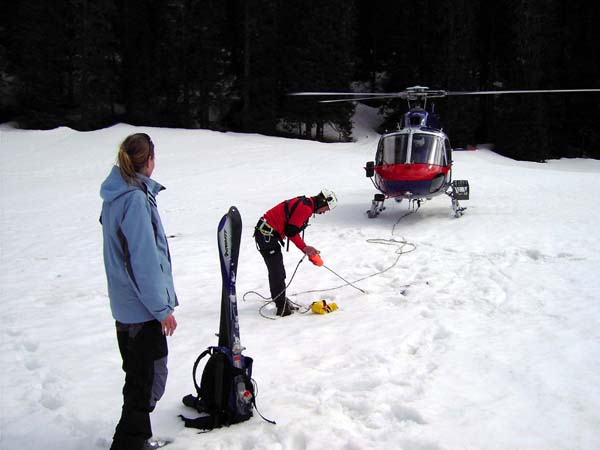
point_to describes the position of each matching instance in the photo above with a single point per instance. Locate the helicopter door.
(448, 152)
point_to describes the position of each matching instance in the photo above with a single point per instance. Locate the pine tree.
(319, 50)
(8, 101)
(495, 56)
(195, 80)
(209, 61)
(139, 27)
(41, 63)
(523, 123)
(260, 62)
(575, 117)
(94, 63)
(459, 67)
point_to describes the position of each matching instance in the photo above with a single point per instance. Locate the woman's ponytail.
(134, 153)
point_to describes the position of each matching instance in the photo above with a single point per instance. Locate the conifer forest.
(228, 65)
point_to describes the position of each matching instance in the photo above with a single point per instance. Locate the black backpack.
(217, 395)
(226, 394)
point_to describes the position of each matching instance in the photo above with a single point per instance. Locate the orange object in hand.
(316, 260)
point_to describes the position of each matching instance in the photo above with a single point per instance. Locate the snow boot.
(284, 309)
(152, 444)
(291, 304)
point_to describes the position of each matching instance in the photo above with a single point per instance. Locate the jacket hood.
(114, 186)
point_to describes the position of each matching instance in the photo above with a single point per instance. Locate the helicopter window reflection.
(436, 157)
(393, 149)
(427, 149)
(448, 152)
(420, 149)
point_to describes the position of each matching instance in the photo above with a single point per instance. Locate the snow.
(485, 336)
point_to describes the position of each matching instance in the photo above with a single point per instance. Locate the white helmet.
(329, 197)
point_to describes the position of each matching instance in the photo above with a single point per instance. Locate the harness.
(265, 229)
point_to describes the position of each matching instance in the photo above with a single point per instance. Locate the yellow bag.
(321, 307)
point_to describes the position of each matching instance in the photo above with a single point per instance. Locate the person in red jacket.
(288, 219)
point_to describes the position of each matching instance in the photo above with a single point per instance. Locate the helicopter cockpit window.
(427, 149)
(393, 149)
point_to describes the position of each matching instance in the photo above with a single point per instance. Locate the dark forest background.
(228, 64)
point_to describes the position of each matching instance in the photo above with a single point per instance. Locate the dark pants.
(270, 249)
(144, 351)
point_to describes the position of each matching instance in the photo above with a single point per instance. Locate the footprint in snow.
(406, 414)
(52, 390)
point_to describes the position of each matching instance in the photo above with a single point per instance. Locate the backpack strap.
(289, 212)
(208, 351)
(263, 417)
(206, 423)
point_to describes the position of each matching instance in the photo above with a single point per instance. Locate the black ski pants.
(270, 249)
(143, 348)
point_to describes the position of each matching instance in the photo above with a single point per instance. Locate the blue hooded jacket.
(136, 252)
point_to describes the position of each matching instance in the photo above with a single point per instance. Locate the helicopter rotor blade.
(421, 93)
(353, 96)
(374, 94)
(535, 91)
(356, 99)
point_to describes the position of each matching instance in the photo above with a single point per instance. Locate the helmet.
(329, 197)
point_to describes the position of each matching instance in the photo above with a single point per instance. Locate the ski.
(229, 234)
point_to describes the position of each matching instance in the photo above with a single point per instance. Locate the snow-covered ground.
(486, 336)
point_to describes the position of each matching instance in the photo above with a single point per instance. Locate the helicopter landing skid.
(458, 210)
(376, 206)
(458, 190)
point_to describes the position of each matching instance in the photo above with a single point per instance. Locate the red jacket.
(299, 210)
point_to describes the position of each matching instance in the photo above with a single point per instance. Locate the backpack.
(226, 393)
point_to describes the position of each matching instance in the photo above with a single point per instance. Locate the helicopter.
(415, 161)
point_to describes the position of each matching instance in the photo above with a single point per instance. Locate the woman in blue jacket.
(140, 286)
